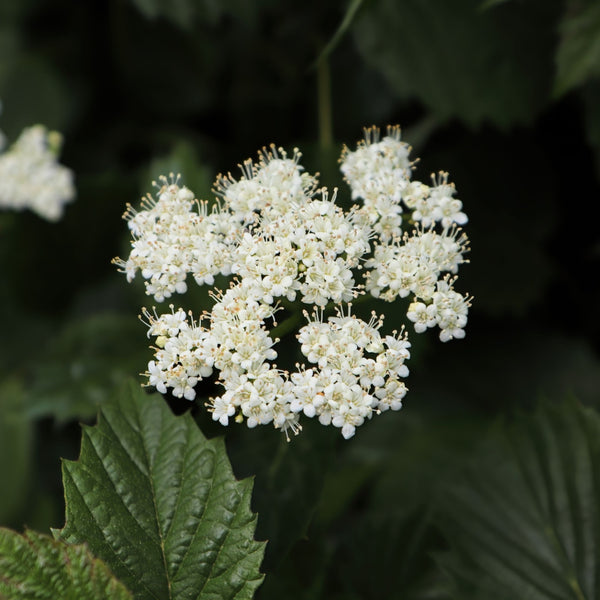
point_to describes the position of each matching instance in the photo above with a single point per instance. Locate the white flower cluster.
(403, 264)
(171, 240)
(286, 244)
(31, 177)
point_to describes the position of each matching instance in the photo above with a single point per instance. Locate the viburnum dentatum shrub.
(290, 250)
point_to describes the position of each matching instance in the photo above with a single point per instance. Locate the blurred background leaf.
(460, 62)
(288, 476)
(84, 364)
(523, 520)
(578, 54)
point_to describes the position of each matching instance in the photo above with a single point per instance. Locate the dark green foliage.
(289, 481)
(84, 364)
(463, 63)
(524, 520)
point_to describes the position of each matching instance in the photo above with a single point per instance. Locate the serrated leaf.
(523, 521)
(36, 566)
(462, 62)
(578, 54)
(158, 502)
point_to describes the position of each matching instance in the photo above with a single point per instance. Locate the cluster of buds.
(285, 244)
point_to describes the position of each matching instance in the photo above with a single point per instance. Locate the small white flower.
(422, 315)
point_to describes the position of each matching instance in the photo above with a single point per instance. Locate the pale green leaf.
(36, 566)
(523, 521)
(578, 54)
(159, 503)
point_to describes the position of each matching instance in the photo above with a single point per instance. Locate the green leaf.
(84, 363)
(15, 449)
(157, 501)
(36, 566)
(459, 61)
(395, 555)
(578, 54)
(523, 521)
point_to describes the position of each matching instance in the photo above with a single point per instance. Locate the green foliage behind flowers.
(523, 519)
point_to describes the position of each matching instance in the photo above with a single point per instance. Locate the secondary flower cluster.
(286, 244)
(31, 177)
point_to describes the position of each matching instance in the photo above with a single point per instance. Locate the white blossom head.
(297, 263)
